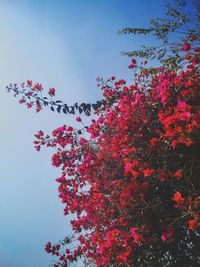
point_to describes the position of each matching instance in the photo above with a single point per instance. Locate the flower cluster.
(31, 94)
(131, 177)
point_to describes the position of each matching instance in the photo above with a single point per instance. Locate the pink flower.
(186, 47)
(148, 172)
(38, 87)
(167, 235)
(38, 108)
(174, 143)
(164, 237)
(78, 119)
(29, 83)
(131, 66)
(29, 105)
(133, 61)
(52, 91)
(136, 236)
(187, 57)
(22, 100)
(37, 148)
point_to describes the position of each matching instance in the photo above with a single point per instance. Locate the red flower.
(37, 148)
(187, 57)
(38, 87)
(135, 234)
(29, 105)
(197, 49)
(192, 224)
(29, 83)
(148, 172)
(22, 100)
(178, 174)
(78, 119)
(133, 61)
(153, 141)
(178, 197)
(52, 91)
(123, 221)
(131, 66)
(186, 47)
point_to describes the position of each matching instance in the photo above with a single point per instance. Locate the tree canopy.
(131, 177)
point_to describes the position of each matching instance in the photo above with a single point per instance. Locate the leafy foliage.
(31, 94)
(179, 21)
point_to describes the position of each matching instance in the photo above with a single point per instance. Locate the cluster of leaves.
(132, 176)
(178, 21)
(31, 94)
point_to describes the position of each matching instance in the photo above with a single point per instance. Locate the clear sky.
(61, 44)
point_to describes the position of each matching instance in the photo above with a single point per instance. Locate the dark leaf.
(80, 110)
(58, 109)
(89, 107)
(104, 102)
(99, 104)
(87, 113)
(94, 106)
(84, 106)
(64, 111)
(72, 111)
(66, 107)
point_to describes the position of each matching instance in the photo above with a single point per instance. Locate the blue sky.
(61, 44)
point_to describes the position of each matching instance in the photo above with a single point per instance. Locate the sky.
(66, 45)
